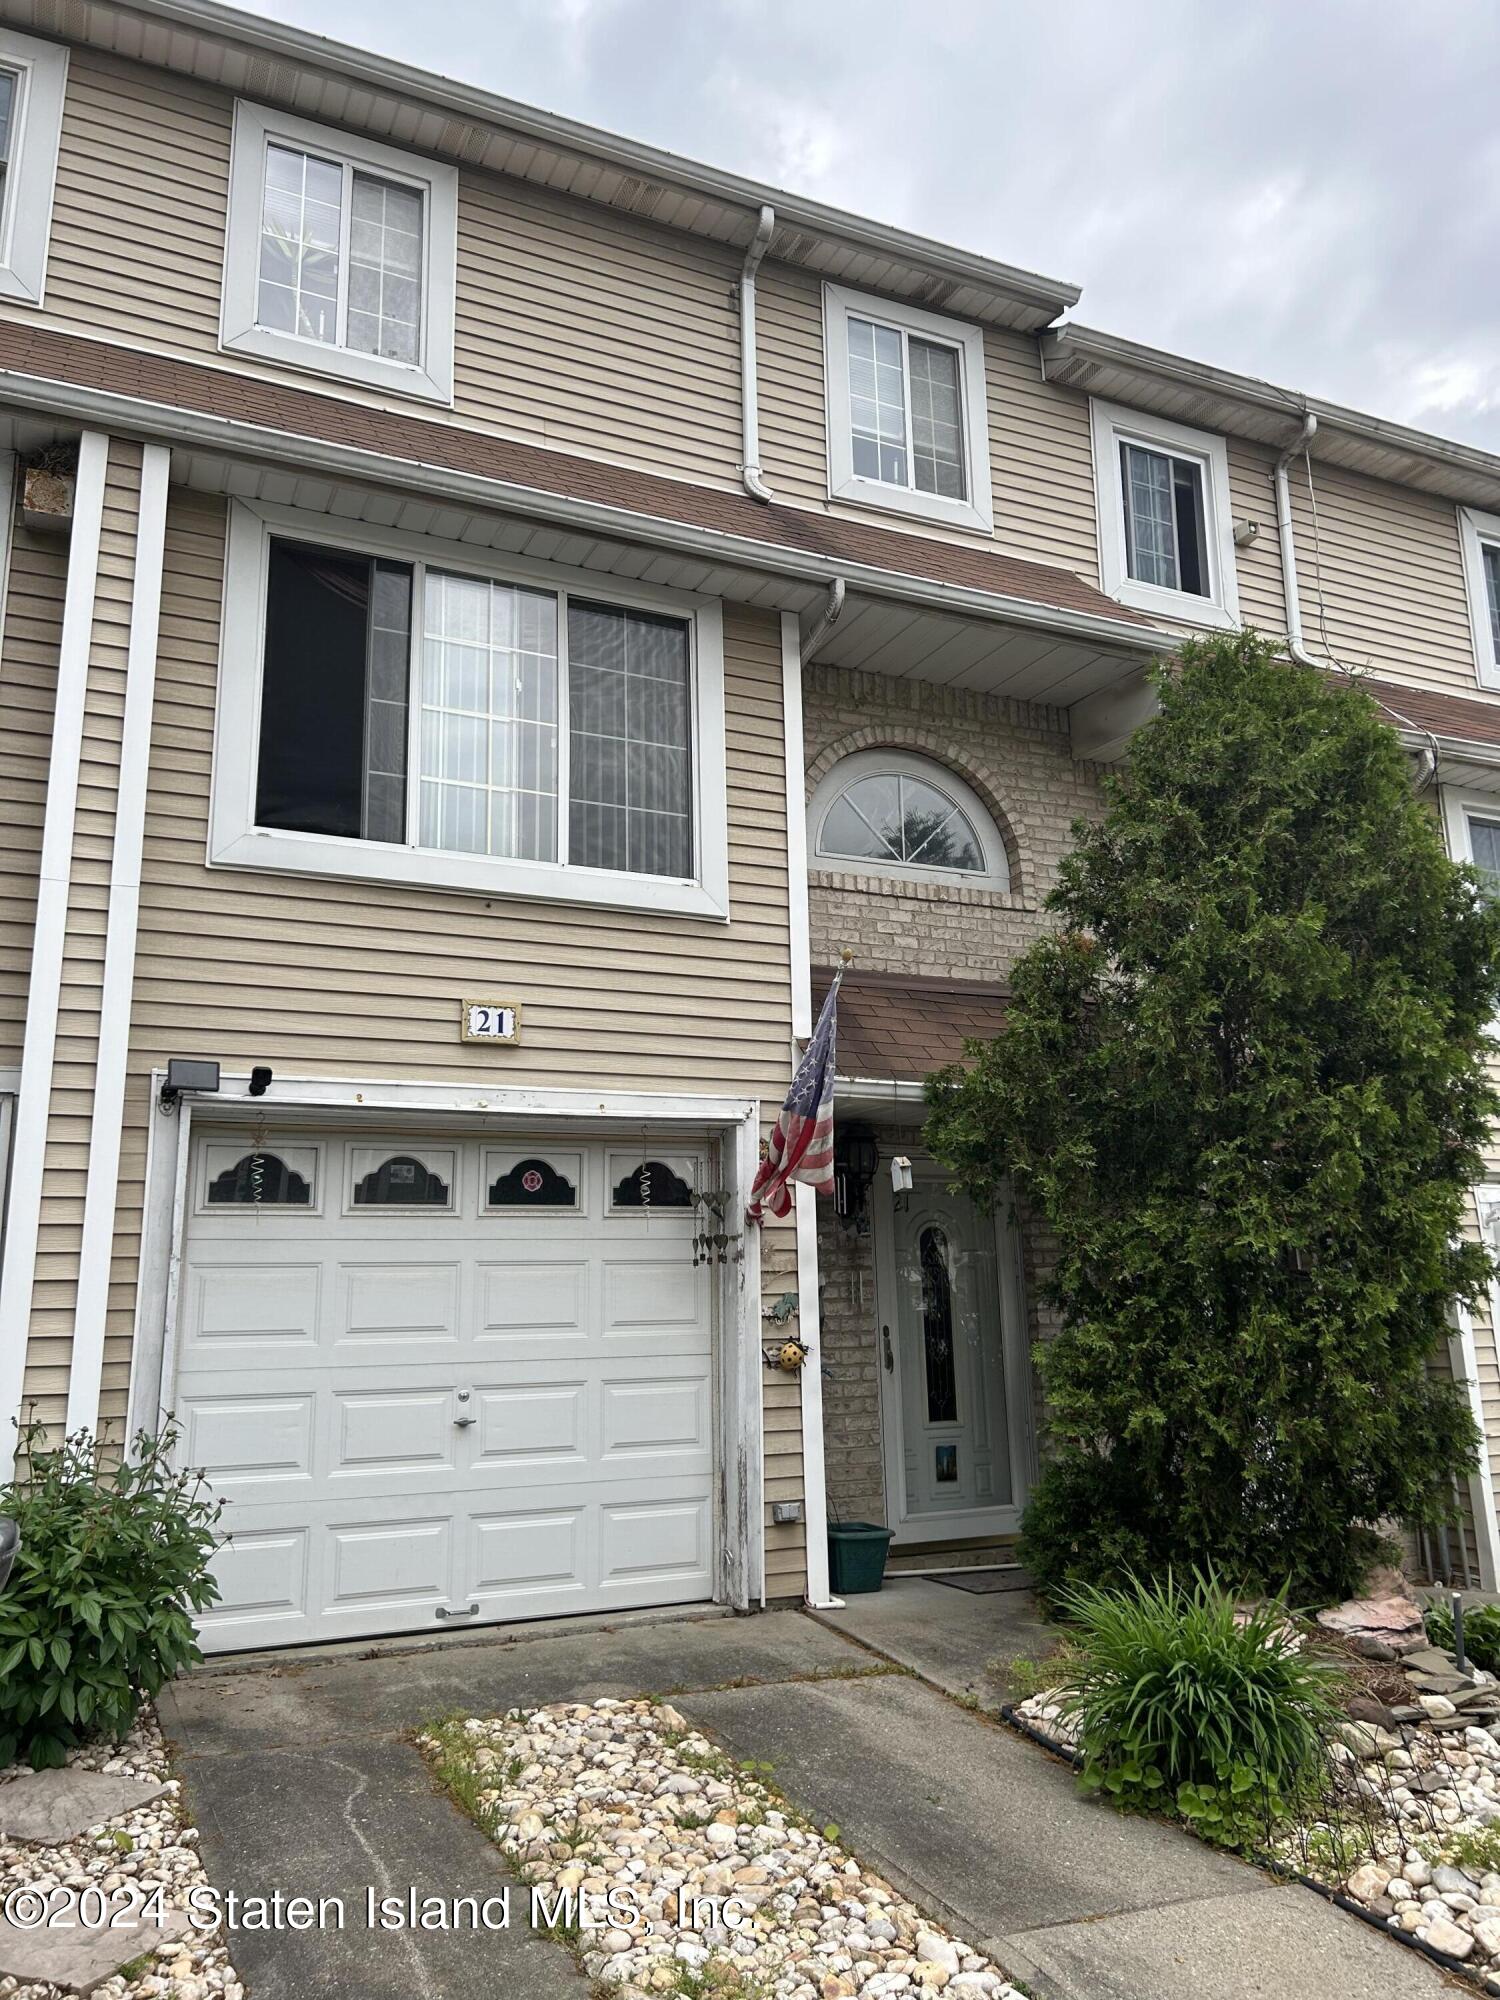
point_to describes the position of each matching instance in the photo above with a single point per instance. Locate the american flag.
(801, 1146)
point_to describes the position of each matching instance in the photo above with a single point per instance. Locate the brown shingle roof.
(903, 1028)
(247, 399)
(1444, 714)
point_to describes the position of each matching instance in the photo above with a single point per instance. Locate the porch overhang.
(895, 1030)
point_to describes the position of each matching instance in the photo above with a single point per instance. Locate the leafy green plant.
(1481, 1632)
(1243, 1086)
(98, 1611)
(1185, 1702)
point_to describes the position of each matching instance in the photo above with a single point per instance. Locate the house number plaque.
(489, 1021)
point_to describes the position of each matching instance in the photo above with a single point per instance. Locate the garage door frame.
(739, 1534)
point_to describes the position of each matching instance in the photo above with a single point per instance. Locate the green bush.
(1481, 1632)
(96, 1615)
(1184, 1703)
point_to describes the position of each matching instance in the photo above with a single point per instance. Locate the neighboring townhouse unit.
(488, 612)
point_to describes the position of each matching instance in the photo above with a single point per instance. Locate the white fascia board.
(288, 448)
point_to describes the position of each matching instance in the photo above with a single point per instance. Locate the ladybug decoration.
(789, 1357)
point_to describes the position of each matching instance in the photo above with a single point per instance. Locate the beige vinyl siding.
(1041, 463)
(74, 1060)
(28, 690)
(781, 1415)
(589, 332)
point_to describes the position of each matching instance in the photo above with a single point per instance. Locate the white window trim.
(978, 511)
(870, 763)
(1475, 532)
(431, 377)
(43, 71)
(1112, 425)
(235, 841)
(1457, 806)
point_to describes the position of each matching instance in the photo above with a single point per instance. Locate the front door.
(951, 1456)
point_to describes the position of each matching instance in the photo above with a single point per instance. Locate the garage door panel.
(519, 1550)
(399, 1431)
(243, 1440)
(262, 1577)
(541, 1297)
(656, 1545)
(655, 1295)
(389, 1303)
(522, 1423)
(383, 1562)
(248, 1306)
(657, 1417)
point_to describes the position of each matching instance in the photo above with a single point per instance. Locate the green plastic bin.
(856, 1556)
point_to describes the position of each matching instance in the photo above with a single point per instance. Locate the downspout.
(750, 471)
(831, 612)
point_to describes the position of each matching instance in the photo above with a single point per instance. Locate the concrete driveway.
(301, 1777)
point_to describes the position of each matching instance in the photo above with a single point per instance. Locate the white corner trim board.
(87, 1360)
(814, 1481)
(1481, 1482)
(54, 878)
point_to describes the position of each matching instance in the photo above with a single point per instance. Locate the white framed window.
(409, 710)
(892, 812)
(1166, 535)
(339, 255)
(906, 410)
(1473, 823)
(33, 79)
(1479, 535)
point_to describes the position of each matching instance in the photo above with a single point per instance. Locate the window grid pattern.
(1491, 554)
(877, 402)
(1150, 523)
(385, 269)
(488, 770)
(301, 227)
(936, 420)
(891, 816)
(388, 671)
(629, 748)
(1484, 847)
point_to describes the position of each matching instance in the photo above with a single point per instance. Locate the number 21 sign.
(489, 1021)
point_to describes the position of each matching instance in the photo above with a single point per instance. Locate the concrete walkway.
(301, 1777)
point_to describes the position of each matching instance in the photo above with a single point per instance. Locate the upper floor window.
(1474, 833)
(399, 708)
(1166, 540)
(906, 410)
(340, 255)
(1480, 535)
(33, 77)
(888, 812)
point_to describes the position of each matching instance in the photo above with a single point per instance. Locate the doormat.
(980, 1582)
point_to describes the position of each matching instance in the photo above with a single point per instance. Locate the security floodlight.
(186, 1073)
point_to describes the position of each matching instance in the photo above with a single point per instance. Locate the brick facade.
(1018, 758)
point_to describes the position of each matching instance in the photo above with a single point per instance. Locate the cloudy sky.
(1307, 190)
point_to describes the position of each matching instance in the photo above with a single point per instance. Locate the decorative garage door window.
(533, 1183)
(653, 1184)
(937, 1329)
(262, 1179)
(402, 1181)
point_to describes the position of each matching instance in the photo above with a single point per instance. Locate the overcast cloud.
(1306, 190)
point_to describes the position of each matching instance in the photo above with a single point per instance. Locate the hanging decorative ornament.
(789, 1357)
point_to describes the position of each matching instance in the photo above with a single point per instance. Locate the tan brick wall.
(1018, 759)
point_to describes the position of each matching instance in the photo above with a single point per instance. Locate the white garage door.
(460, 1381)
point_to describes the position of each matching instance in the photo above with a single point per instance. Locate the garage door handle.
(465, 1415)
(468, 1611)
(462, 1423)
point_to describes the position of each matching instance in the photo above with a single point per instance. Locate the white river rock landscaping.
(1411, 1793)
(147, 1845)
(626, 1795)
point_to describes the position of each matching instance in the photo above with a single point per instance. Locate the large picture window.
(449, 724)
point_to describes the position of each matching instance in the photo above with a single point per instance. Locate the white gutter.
(1289, 592)
(86, 1363)
(49, 936)
(359, 71)
(225, 435)
(750, 471)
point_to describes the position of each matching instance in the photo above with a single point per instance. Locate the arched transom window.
(894, 813)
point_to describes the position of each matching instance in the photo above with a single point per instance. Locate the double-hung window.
(408, 711)
(33, 79)
(1166, 541)
(906, 410)
(1480, 538)
(340, 255)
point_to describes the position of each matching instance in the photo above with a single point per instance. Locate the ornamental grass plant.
(1187, 1702)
